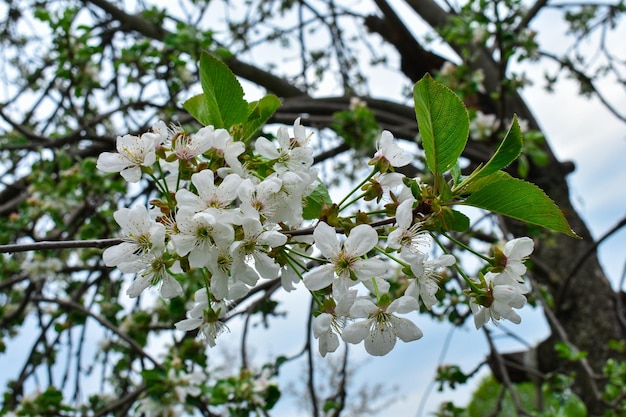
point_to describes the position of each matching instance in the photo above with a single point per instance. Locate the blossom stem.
(458, 267)
(355, 189)
(304, 255)
(376, 290)
(292, 262)
(162, 190)
(467, 248)
(390, 256)
(354, 200)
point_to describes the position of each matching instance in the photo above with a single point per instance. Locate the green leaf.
(455, 220)
(500, 193)
(443, 123)
(259, 113)
(507, 152)
(222, 93)
(197, 107)
(315, 201)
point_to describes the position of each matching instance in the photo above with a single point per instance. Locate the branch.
(104, 322)
(506, 380)
(532, 13)
(583, 78)
(60, 244)
(584, 257)
(136, 23)
(556, 326)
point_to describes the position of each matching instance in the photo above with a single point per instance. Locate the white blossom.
(388, 149)
(323, 331)
(290, 153)
(133, 152)
(381, 326)
(408, 234)
(501, 296)
(143, 235)
(197, 233)
(204, 316)
(227, 148)
(187, 147)
(209, 195)
(516, 251)
(186, 383)
(153, 269)
(426, 274)
(346, 266)
(254, 246)
(328, 324)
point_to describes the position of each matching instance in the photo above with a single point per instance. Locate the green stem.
(291, 263)
(458, 267)
(376, 290)
(390, 256)
(304, 255)
(467, 248)
(354, 200)
(355, 189)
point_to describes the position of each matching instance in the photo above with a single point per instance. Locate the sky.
(579, 130)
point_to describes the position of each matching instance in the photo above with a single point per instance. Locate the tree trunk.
(584, 304)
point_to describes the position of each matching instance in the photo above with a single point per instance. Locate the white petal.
(244, 273)
(204, 182)
(344, 301)
(124, 252)
(170, 287)
(266, 266)
(266, 148)
(428, 291)
(272, 238)
(381, 340)
(481, 315)
(519, 248)
(184, 243)
(403, 305)
(361, 240)
(131, 174)
(404, 214)
(363, 307)
(228, 188)
(355, 332)
(112, 162)
(188, 324)
(219, 285)
(321, 324)
(405, 329)
(444, 260)
(326, 240)
(369, 268)
(328, 343)
(319, 277)
(139, 284)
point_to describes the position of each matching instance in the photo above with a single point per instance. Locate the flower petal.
(320, 277)
(326, 240)
(406, 330)
(381, 339)
(355, 332)
(361, 240)
(403, 305)
(362, 307)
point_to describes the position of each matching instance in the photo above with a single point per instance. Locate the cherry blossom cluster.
(237, 212)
